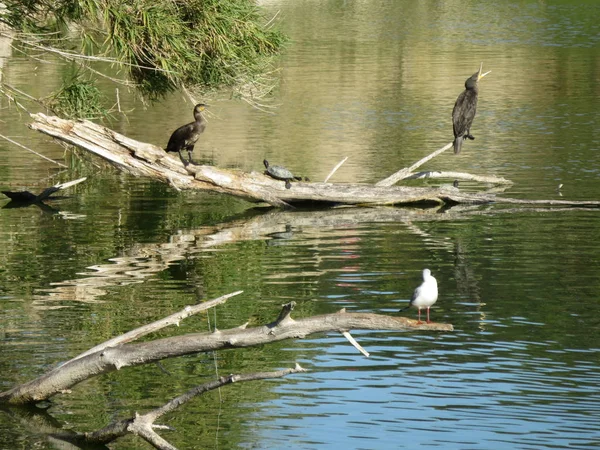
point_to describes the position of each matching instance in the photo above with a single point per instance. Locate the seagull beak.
(481, 75)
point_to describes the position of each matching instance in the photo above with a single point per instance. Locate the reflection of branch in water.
(121, 271)
(466, 280)
(144, 260)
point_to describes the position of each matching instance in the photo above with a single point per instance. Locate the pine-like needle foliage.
(163, 44)
(77, 97)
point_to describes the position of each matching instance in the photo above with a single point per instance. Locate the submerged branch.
(143, 425)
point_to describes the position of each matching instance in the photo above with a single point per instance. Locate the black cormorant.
(184, 137)
(465, 108)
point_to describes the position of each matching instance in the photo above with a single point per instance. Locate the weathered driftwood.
(142, 159)
(116, 354)
(40, 423)
(143, 425)
(109, 359)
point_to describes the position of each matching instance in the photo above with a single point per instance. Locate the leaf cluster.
(77, 97)
(162, 45)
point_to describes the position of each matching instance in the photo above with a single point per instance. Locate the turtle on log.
(281, 173)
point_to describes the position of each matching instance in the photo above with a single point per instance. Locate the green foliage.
(207, 43)
(163, 45)
(77, 98)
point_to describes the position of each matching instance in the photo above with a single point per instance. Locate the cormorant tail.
(458, 144)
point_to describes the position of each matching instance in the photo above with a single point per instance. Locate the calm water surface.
(375, 81)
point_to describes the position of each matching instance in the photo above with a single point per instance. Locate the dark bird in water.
(184, 137)
(465, 108)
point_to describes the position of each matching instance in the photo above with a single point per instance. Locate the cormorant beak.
(480, 75)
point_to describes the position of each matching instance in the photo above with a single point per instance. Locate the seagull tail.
(404, 309)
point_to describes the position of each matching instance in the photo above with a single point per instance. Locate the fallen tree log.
(118, 353)
(143, 159)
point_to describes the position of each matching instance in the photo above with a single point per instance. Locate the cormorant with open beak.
(465, 108)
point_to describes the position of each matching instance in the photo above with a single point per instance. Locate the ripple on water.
(427, 391)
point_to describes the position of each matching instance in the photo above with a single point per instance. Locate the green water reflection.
(375, 81)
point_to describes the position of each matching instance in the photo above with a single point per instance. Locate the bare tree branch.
(144, 425)
(457, 176)
(142, 159)
(173, 319)
(403, 173)
(337, 166)
(110, 359)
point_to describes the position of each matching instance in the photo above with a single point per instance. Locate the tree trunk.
(142, 159)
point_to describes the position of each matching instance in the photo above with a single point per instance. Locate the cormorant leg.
(191, 160)
(470, 136)
(185, 163)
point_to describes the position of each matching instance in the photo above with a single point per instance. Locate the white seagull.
(425, 295)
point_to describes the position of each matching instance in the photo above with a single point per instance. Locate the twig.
(358, 347)
(458, 176)
(32, 151)
(70, 183)
(335, 169)
(118, 100)
(77, 56)
(403, 173)
(173, 319)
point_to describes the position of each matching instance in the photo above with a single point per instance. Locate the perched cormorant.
(425, 295)
(184, 137)
(465, 108)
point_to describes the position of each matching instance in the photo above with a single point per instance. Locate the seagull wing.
(416, 294)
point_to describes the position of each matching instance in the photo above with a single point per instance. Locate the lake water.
(375, 81)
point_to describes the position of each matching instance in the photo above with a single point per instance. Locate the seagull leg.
(419, 316)
(428, 321)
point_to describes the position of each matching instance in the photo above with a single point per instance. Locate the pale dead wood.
(110, 359)
(402, 173)
(408, 173)
(173, 319)
(457, 176)
(142, 159)
(356, 345)
(334, 170)
(143, 425)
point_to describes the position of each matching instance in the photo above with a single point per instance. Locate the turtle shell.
(278, 172)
